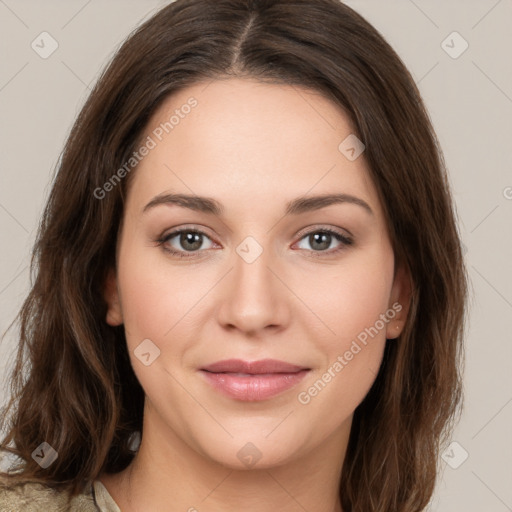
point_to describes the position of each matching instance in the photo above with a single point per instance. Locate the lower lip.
(255, 387)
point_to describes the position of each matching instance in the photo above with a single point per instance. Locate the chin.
(252, 452)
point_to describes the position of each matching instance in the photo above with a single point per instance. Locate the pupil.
(194, 239)
(323, 239)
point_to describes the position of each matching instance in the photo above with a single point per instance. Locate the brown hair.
(73, 385)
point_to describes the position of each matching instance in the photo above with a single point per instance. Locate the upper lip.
(253, 367)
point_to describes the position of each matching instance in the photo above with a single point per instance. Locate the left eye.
(321, 240)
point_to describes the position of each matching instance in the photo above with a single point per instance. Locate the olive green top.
(34, 497)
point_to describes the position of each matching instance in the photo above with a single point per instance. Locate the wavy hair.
(73, 386)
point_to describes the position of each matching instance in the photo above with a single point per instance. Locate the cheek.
(156, 304)
(155, 298)
(353, 304)
(156, 290)
(350, 297)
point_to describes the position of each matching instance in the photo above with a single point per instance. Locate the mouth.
(253, 380)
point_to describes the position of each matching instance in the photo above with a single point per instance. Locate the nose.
(254, 299)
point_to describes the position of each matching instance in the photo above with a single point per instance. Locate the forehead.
(246, 141)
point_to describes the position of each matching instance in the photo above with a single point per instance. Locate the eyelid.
(313, 228)
(197, 228)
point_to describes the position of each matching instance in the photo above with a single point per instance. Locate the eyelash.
(345, 241)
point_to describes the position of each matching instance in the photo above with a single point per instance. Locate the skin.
(253, 147)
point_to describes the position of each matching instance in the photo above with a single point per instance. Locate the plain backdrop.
(469, 97)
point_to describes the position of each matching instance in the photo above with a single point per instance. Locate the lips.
(253, 367)
(253, 380)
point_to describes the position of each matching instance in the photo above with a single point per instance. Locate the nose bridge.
(251, 271)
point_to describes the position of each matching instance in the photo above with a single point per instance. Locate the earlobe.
(400, 299)
(114, 316)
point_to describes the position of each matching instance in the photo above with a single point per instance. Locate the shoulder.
(36, 497)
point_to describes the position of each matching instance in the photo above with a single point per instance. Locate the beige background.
(470, 101)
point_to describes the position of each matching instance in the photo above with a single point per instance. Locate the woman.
(250, 257)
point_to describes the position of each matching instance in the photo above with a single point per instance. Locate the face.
(254, 266)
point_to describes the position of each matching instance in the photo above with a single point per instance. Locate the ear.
(114, 315)
(399, 301)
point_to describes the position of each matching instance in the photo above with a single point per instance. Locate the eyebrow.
(295, 207)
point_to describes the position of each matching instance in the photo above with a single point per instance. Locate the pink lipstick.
(253, 380)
